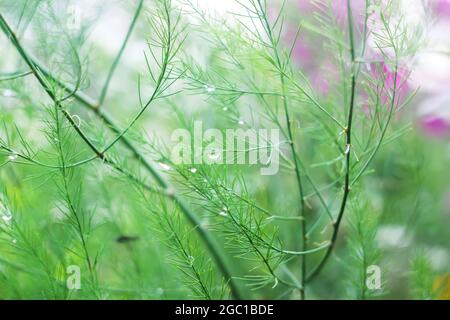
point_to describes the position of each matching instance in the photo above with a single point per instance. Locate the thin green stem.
(281, 68)
(66, 193)
(383, 133)
(119, 55)
(14, 76)
(348, 150)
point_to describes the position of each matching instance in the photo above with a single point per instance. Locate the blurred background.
(410, 183)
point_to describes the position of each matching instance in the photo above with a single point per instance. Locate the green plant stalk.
(15, 75)
(191, 217)
(349, 183)
(119, 55)
(303, 247)
(383, 133)
(78, 225)
(348, 132)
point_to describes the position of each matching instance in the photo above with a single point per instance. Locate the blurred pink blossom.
(305, 6)
(321, 73)
(358, 10)
(301, 52)
(338, 7)
(320, 83)
(381, 71)
(432, 75)
(322, 77)
(434, 115)
(435, 126)
(441, 7)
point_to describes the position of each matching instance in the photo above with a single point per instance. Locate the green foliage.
(88, 179)
(363, 249)
(422, 277)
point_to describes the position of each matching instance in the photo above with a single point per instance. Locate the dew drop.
(193, 170)
(12, 157)
(8, 93)
(204, 223)
(241, 122)
(347, 150)
(5, 214)
(223, 214)
(164, 166)
(170, 192)
(209, 88)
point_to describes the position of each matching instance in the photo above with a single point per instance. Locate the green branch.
(87, 101)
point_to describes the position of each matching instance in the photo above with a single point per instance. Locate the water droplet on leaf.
(8, 93)
(165, 166)
(209, 88)
(223, 214)
(7, 217)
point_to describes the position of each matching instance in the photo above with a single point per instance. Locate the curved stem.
(15, 75)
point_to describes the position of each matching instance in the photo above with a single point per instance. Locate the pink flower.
(320, 83)
(382, 82)
(435, 126)
(324, 76)
(383, 73)
(301, 52)
(441, 7)
(434, 115)
(305, 6)
(338, 7)
(358, 10)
